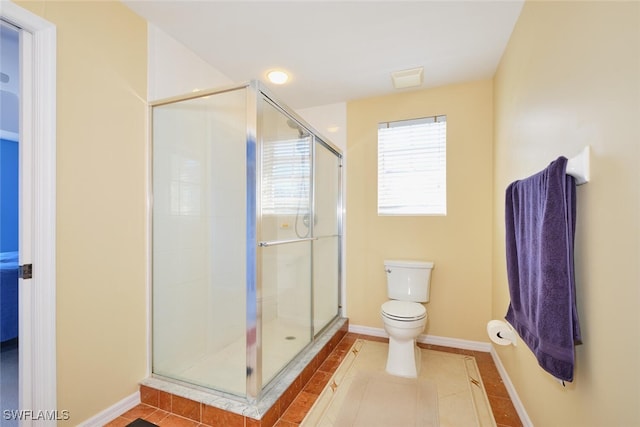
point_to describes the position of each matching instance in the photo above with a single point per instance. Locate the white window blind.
(412, 167)
(286, 176)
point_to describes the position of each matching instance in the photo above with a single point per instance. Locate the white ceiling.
(336, 51)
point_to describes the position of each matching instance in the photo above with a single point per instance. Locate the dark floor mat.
(141, 423)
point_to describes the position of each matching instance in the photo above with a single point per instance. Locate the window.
(412, 166)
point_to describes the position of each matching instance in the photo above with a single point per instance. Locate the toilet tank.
(408, 280)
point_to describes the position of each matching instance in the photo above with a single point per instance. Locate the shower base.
(225, 369)
(195, 403)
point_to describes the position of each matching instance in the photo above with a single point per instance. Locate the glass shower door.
(246, 239)
(326, 247)
(285, 232)
(199, 241)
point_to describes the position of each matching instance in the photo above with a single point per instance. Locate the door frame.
(37, 296)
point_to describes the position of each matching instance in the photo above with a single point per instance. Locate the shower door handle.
(264, 244)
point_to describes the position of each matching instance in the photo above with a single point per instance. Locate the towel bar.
(578, 166)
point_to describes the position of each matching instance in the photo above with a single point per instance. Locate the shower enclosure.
(246, 238)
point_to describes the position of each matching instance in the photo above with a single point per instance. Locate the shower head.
(294, 125)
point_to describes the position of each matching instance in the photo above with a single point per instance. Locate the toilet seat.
(404, 311)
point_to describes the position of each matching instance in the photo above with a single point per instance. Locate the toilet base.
(404, 358)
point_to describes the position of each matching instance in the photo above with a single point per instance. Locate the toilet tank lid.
(408, 264)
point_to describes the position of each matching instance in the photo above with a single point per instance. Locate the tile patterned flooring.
(292, 415)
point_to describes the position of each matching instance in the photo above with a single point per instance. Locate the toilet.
(404, 317)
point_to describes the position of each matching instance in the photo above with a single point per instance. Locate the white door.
(37, 354)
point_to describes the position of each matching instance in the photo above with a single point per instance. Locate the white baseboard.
(367, 330)
(455, 343)
(113, 412)
(427, 339)
(466, 345)
(513, 394)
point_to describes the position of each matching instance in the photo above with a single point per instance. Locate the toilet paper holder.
(501, 333)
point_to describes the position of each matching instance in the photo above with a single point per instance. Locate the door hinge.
(25, 271)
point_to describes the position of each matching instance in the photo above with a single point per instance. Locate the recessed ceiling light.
(277, 77)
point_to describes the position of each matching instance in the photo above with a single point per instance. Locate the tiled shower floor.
(226, 371)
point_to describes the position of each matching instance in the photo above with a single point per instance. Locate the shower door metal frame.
(253, 266)
(339, 213)
(250, 222)
(255, 91)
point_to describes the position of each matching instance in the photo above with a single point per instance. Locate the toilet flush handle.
(388, 270)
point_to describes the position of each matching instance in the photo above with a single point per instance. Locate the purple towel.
(540, 228)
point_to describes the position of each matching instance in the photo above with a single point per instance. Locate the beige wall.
(101, 193)
(459, 243)
(571, 77)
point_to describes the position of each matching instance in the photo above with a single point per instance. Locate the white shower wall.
(199, 229)
(228, 222)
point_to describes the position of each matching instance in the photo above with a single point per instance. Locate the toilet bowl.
(404, 317)
(404, 321)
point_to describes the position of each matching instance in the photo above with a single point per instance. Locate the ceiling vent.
(408, 78)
